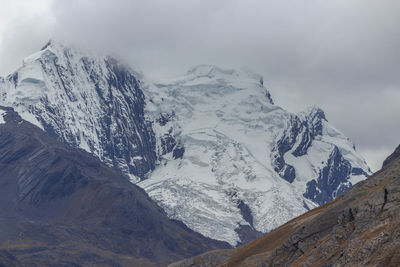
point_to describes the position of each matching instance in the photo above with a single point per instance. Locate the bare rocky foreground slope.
(360, 228)
(60, 206)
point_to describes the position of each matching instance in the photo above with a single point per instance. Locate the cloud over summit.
(340, 55)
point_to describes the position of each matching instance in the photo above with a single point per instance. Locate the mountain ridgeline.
(359, 228)
(211, 147)
(95, 104)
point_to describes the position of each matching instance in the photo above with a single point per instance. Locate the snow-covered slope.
(211, 147)
(87, 101)
(242, 152)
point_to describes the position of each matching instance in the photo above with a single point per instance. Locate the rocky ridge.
(360, 228)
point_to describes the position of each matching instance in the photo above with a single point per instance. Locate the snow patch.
(2, 114)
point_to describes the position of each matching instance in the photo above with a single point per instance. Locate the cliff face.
(362, 227)
(61, 206)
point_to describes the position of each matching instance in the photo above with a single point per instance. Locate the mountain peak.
(49, 43)
(55, 44)
(60, 86)
(51, 50)
(239, 78)
(208, 70)
(211, 71)
(313, 112)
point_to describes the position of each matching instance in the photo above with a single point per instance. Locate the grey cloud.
(341, 55)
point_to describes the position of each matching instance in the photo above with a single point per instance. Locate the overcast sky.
(341, 55)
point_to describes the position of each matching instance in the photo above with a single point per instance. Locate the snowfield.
(228, 125)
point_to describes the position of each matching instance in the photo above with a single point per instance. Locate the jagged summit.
(313, 112)
(85, 100)
(53, 49)
(57, 49)
(210, 147)
(49, 43)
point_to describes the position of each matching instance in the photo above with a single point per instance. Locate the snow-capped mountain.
(89, 102)
(243, 153)
(210, 147)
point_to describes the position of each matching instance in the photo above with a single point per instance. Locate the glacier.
(237, 142)
(210, 147)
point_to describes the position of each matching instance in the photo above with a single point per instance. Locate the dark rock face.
(61, 206)
(177, 153)
(304, 130)
(331, 181)
(298, 137)
(283, 145)
(245, 211)
(169, 142)
(358, 171)
(246, 233)
(359, 228)
(124, 133)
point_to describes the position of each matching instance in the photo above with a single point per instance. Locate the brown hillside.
(361, 228)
